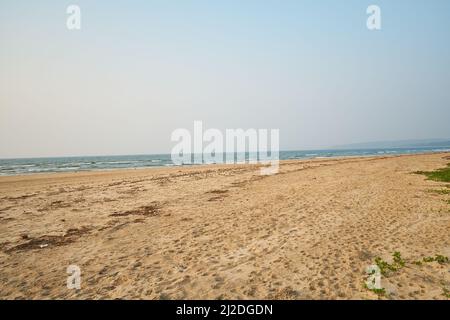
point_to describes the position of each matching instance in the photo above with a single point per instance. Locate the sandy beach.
(226, 232)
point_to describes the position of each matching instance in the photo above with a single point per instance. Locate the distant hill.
(397, 144)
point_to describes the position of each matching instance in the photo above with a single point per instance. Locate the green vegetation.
(386, 268)
(442, 174)
(398, 259)
(383, 265)
(380, 292)
(438, 258)
(441, 191)
(399, 262)
(446, 293)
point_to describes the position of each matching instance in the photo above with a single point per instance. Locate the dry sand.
(226, 232)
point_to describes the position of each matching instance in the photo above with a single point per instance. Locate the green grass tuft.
(441, 191)
(386, 268)
(438, 258)
(380, 292)
(446, 293)
(398, 260)
(442, 174)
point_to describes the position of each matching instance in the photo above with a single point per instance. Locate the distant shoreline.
(172, 168)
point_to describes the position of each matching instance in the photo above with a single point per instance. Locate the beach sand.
(226, 232)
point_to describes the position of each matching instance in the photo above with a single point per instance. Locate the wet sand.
(226, 232)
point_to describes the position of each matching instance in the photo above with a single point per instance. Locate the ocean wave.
(118, 162)
(21, 165)
(46, 165)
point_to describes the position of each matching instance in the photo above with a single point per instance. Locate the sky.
(138, 70)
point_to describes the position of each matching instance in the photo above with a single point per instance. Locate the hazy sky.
(137, 70)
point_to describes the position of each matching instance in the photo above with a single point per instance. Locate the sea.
(25, 166)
